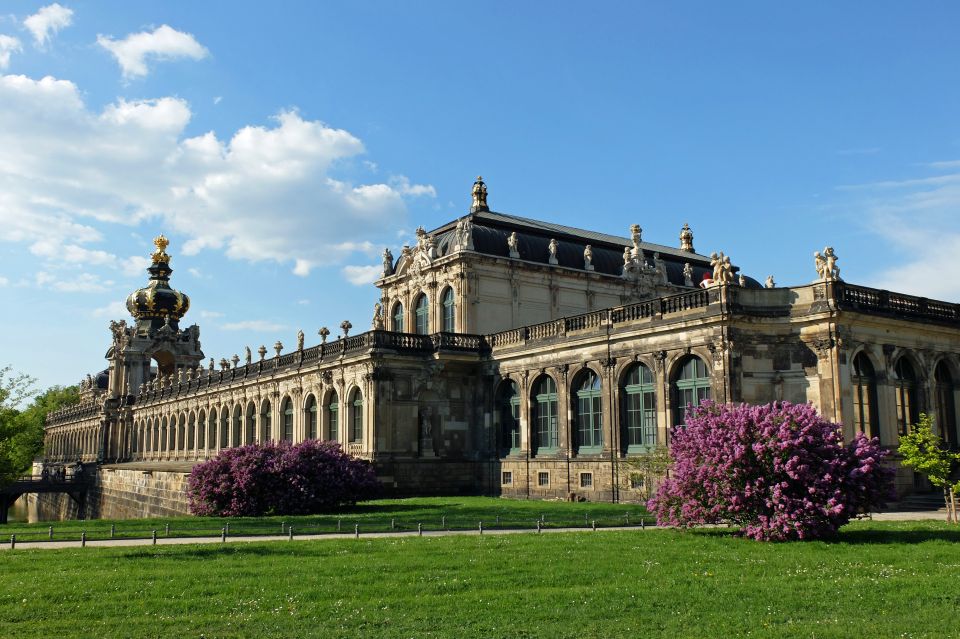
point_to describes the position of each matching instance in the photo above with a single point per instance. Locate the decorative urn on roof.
(157, 304)
(479, 196)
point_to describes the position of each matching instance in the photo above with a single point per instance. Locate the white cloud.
(163, 43)
(8, 45)
(80, 283)
(4, 281)
(402, 184)
(47, 21)
(210, 314)
(217, 99)
(303, 302)
(266, 193)
(918, 217)
(112, 310)
(362, 275)
(262, 326)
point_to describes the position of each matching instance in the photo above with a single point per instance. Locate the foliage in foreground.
(780, 471)
(279, 478)
(21, 431)
(889, 579)
(923, 450)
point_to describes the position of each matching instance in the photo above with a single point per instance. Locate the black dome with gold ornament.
(157, 304)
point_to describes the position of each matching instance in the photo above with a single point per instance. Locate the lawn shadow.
(361, 509)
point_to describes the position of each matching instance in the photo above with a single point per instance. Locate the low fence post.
(13, 542)
(356, 531)
(420, 530)
(153, 537)
(481, 527)
(594, 524)
(50, 533)
(113, 530)
(290, 533)
(83, 539)
(223, 534)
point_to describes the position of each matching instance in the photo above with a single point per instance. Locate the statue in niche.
(770, 283)
(552, 249)
(687, 274)
(377, 323)
(387, 262)
(588, 258)
(513, 243)
(479, 194)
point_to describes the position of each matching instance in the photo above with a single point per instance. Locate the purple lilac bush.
(779, 471)
(279, 478)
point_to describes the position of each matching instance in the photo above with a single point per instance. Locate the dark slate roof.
(491, 230)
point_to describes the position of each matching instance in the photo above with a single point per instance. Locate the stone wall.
(119, 493)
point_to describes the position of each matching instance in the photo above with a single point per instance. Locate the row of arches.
(73, 444)
(584, 431)
(200, 432)
(908, 392)
(419, 318)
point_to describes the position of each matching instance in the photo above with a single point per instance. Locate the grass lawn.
(891, 579)
(435, 513)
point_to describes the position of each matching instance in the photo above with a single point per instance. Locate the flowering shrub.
(779, 471)
(278, 478)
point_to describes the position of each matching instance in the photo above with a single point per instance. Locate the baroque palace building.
(515, 357)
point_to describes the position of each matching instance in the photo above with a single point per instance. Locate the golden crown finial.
(160, 255)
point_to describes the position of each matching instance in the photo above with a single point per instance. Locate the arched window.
(398, 317)
(212, 430)
(201, 430)
(508, 410)
(545, 415)
(237, 426)
(639, 414)
(946, 409)
(251, 434)
(310, 417)
(449, 311)
(691, 386)
(287, 420)
(905, 385)
(589, 427)
(356, 416)
(864, 396)
(182, 433)
(224, 427)
(423, 315)
(191, 431)
(266, 433)
(333, 417)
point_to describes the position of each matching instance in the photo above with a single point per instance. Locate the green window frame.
(398, 317)
(589, 414)
(692, 386)
(905, 385)
(356, 416)
(311, 417)
(509, 410)
(333, 417)
(251, 424)
(266, 427)
(237, 425)
(224, 428)
(864, 382)
(449, 311)
(639, 409)
(946, 407)
(288, 421)
(545, 411)
(423, 315)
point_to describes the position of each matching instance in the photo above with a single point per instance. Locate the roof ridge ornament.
(686, 239)
(160, 255)
(479, 196)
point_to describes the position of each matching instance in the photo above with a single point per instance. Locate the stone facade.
(516, 357)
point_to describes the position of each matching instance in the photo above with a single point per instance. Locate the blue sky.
(281, 147)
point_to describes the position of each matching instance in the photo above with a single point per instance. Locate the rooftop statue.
(552, 248)
(387, 262)
(514, 245)
(479, 196)
(686, 238)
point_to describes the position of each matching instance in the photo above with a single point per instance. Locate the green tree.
(21, 430)
(923, 450)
